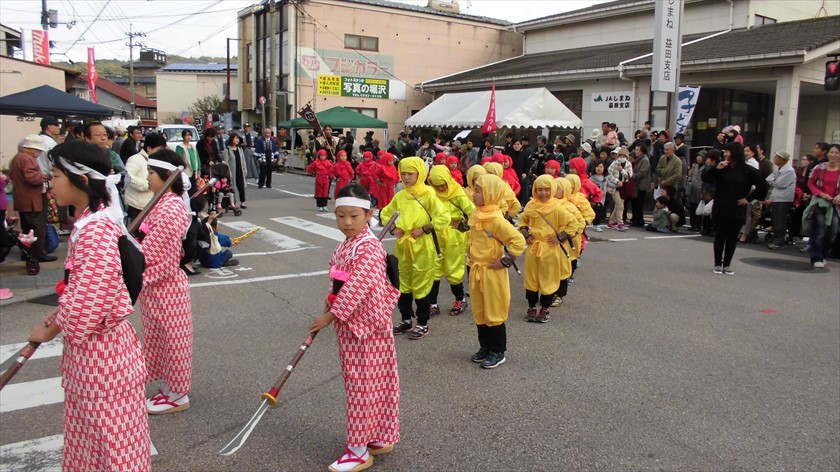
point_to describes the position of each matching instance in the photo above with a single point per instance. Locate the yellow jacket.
(453, 243)
(509, 204)
(577, 236)
(580, 200)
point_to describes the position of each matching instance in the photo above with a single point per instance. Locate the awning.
(338, 117)
(46, 100)
(521, 108)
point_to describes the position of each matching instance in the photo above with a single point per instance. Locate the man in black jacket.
(131, 145)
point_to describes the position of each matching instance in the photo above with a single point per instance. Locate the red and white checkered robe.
(105, 422)
(165, 299)
(363, 310)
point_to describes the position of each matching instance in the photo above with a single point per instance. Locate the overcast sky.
(194, 27)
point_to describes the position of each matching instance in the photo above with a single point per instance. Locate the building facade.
(145, 67)
(180, 84)
(365, 55)
(758, 63)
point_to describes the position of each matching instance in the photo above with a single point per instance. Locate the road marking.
(257, 279)
(618, 240)
(304, 195)
(281, 241)
(42, 454)
(50, 349)
(674, 236)
(31, 394)
(268, 253)
(314, 228)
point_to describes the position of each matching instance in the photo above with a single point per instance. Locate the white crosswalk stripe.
(281, 241)
(330, 232)
(40, 454)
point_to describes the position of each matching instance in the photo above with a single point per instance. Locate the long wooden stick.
(24, 354)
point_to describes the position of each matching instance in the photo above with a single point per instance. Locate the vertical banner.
(667, 40)
(490, 122)
(92, 76)
(310, 116)
(40, 47)
(687, 103)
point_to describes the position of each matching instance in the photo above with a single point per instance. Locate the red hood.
(367, 156)
(554, 165)
(578, 164)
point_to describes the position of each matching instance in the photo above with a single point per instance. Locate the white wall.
(624, 119)
(791, 10)
(176, 91)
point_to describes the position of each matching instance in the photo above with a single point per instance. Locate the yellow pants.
(490, 295)
(453, 246)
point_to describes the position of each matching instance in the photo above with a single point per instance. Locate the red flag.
(41, 47)
(92, 76)
(490, 121)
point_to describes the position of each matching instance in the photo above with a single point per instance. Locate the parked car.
(173, 134)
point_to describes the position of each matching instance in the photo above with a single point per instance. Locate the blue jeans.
(821, 234)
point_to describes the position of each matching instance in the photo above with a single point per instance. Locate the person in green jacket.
(669, 168)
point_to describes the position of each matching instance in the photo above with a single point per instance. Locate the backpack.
(392, 270)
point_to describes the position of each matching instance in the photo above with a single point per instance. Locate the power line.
(88, 27)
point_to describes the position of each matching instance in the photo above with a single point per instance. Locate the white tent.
(521, 108)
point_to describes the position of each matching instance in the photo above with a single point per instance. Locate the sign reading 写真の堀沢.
(612, 101)
(667, 41)
(358, 87)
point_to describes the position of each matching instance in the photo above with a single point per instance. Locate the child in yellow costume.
(509, 204)
(453, 242)
(473, 173)
(564, 189)
(582, 203)
(421, 214)
(548, 228)
(489, 281)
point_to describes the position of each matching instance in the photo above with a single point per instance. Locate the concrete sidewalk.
(26, 287)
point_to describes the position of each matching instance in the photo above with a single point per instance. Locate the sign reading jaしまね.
(358, 87)
(612, 101)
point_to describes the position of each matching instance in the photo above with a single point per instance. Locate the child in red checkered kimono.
(165, 303)
(102, 369)
(360, 303)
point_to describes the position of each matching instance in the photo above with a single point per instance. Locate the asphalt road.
(652, 363)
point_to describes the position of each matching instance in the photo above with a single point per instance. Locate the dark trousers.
(321, 201)
(457, 291)
(534, 297)
(406, 309)
(822, 236)
(779, 212)
(265, 176)
(190, 243)
(638, 208)
(37, 222)
(600, 213)
(493, 338)
(240, 180)
(132, 212)
(726, 237)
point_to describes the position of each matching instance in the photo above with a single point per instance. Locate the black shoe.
(47, 258)
(434, 310)
(480, 356)
(403, 327)
(494, 359)
(231, 263)
(189, 272)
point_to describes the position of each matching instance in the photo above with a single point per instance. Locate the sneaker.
(231, 262)
(379, 447)
(419, 332)
(805, 249)
(543, 316)
(164, 405)
(458, 307)
(480, 356)
(728, 271)
(531, 315)
(621, 227)
(571, 280)
(350, 462)
(775, 246)
(494, 359)
(611, 226)
(819, 264)
(718, 269)
(434, 310)
(557, 301)
(402, 327)
(597, 228)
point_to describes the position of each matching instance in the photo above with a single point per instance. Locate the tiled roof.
(421, 9)
(789, 37)
(121, 92)
(143, 65)
(121, 79)
(616, 4)
(208, 67)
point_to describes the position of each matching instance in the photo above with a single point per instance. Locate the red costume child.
(342, 171)
(510, 174)
(453, 162)
(321, 169)
(387, 177)
(552, 168)
(592, 192)
(440, 159)
(366, 171)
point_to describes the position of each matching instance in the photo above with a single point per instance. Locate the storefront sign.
(611, 101)
(358, 87)
(688, 102)
(667, 40)
(317, 62)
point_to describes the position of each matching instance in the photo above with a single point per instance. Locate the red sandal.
(350, 462)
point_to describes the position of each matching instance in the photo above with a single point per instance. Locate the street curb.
(28, 295)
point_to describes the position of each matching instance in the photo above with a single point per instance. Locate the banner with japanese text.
(358, 87)
(667, 41)
(688, 102)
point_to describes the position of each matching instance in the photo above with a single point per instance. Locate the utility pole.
(131, 35)
(272, 63)
(227, 96)
(45, 16)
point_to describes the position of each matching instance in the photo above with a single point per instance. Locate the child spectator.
(661, 220)
(599, 205)
(453, 162)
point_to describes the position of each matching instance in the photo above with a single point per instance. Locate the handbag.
(628, 190)
(133, 264)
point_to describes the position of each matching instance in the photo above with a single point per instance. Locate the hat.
(33, 141)
(614, 151)
(784, 155)
(586, 147)
(456, 143)
(48, 121)
(246, 125)
(703, 152)
(571, 138)
(622, 152)
(525, 138)
(595, 134)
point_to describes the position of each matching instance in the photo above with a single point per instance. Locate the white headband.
(160, 164)
(80, 169)
(353, 201)
(114, 210)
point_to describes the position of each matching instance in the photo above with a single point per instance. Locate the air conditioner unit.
(449, 7)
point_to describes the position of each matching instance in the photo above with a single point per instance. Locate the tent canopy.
(521, 108)
(338, 117)
(46, 100)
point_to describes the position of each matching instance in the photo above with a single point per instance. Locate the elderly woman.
(234, 157)
(641, 173)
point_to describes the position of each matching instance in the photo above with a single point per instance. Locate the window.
(362, 43)
(150, 90)
(224, 89)
(371, 112)
(250, 48)
(763, 20)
